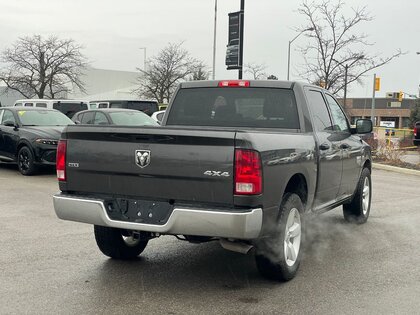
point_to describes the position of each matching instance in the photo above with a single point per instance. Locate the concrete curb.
(395, 169)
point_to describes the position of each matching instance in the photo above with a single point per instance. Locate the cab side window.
(340, 120)
(321, 117)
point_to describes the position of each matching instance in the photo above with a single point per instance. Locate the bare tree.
(43, 67)
(256, 70)
(335, 46)
(172, 65)
(200, 72)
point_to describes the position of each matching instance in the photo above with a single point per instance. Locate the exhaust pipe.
(239, 247)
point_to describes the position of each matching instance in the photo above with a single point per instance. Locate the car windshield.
(130, 118)
(43, 118)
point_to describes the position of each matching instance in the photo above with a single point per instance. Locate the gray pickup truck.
(240, 162)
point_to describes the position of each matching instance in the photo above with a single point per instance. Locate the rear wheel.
(357, 211)
(25, 160)
(118, 243)
(278, 257)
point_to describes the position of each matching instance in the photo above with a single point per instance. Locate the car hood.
(45, 132)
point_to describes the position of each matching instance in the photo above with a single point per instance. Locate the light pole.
(214, 41)
(144, 62)
(288, 54)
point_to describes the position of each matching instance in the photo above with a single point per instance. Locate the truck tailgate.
(182, 165)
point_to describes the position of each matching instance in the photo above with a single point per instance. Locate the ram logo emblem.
(142, 158)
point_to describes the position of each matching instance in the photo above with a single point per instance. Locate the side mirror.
(9, 123)
(77, 122)
(363, 126)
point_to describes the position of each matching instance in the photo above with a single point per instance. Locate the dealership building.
(389, 112)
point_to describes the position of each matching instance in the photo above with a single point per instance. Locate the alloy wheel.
(293, 236)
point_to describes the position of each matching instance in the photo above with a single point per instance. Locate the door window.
(100, 119)
(88, 118)
(340, 120)
(44, 105)
(8, 116)
(29, 104)
(321, 117)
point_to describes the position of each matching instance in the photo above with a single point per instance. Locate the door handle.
(324, 146)
(344, 146)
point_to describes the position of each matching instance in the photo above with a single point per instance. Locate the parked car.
(148, 107)
(114, 116)
(158, 116)
(29, 136)
(416, 136)
(241, 162)
(67, 107)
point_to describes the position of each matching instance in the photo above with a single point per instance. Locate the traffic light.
(400, 96)
(377, 84)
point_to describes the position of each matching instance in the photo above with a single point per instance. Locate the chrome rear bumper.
(182, 221)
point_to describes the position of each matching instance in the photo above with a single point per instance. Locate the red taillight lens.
(234, 83)
(61, 160)
(415, 131)
(248, 174)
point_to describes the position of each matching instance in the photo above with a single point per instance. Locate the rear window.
(235, 107)
(132, 119)
(69, 109)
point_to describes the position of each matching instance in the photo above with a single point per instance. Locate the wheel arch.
(23, 143)
(298, 184)
(368, 165)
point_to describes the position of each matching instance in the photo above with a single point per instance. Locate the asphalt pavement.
(49, 266)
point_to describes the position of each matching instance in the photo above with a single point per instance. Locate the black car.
(29, 136)
(114, 116)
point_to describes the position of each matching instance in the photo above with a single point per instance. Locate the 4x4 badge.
(142, 158)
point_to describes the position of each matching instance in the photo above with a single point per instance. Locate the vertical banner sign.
(234, 45)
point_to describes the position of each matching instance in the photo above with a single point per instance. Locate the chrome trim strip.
(185, 221)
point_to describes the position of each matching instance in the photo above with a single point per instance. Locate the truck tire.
(278, 257)
(118, 243)
(25, 161)
(357, 211)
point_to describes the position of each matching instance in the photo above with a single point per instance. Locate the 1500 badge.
(217, 173)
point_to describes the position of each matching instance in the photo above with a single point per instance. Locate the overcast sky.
(113, 31)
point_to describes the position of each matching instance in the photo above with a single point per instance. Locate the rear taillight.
(61, 160)
(248, 174)
(415, 131)
(234, 83)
